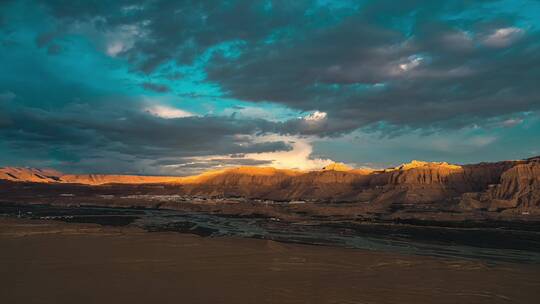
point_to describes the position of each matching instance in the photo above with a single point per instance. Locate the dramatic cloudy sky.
(176, 87)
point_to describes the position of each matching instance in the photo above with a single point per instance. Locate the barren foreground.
(53, 262)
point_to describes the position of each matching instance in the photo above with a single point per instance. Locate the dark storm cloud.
(80, 132)
(135, 133)
(390, 67)
(362, 74)
(406, 63)
(181, 30)
(160, 88)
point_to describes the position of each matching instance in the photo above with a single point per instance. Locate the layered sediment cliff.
(500, 186)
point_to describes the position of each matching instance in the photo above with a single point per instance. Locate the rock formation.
(508, 186)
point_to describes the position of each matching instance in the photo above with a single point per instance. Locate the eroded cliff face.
(509, 186)
(517, 188)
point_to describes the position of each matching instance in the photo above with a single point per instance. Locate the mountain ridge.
(30, 174)
(498, 186)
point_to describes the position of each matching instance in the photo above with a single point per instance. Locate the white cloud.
(299, 157)
(132, 8)
(512, 122)
(121, 39)
(404, 65)
(503, 37)
(167, 112)
(115, 47)
(315, 116)
(411, 63)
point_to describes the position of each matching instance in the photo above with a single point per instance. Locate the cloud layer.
(155, 86)
(434, 69)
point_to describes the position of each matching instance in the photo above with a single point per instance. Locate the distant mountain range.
(507, 186)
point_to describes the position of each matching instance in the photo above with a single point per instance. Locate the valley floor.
(55, 262)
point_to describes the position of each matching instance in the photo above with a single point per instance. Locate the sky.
(180, 87)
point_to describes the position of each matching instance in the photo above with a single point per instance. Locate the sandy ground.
(52, 262)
